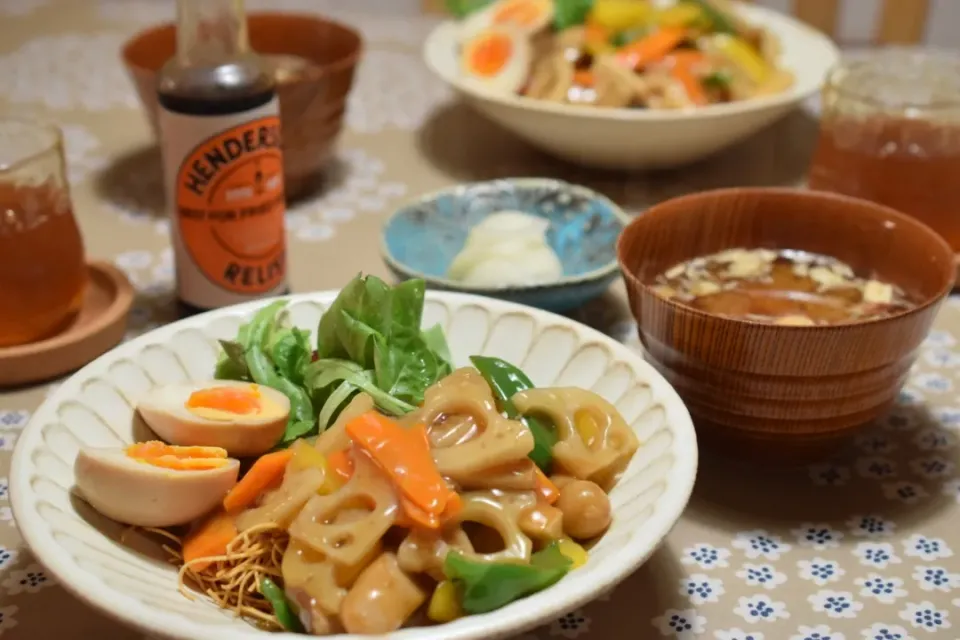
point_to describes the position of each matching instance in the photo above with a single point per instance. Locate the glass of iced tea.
(890, 132)
(42, 267)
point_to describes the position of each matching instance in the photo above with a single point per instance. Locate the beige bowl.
(312, 103)
(627, 139)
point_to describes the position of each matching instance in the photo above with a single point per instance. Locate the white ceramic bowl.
(645, 138)
(130, 580)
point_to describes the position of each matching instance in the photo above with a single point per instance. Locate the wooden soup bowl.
(783, 392)
(312, 104)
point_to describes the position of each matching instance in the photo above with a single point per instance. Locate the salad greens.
(368, 340)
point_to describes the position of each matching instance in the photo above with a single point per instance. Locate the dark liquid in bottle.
(204, 92)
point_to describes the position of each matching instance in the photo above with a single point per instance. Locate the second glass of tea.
(42, 269)
(890, 133)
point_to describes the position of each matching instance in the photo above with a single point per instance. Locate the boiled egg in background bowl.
(497, 59)
(244, 418)
(152, 484)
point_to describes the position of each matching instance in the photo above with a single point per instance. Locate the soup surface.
(785, 287)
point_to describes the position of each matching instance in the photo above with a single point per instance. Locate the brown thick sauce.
(910, 165)
(779, 287)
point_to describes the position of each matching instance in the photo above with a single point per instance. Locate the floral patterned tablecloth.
(865, 546)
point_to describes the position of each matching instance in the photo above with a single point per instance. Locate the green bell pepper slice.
(487, 586)
(281, 606)
(506, 381)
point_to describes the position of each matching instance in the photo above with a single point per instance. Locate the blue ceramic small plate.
(421, 239)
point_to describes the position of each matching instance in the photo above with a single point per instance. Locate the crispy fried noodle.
(232, 579)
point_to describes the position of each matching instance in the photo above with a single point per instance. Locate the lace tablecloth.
(860, 547)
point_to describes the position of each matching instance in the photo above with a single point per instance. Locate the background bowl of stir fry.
(629, 84)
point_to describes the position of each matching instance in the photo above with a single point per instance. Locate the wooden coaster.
(97, 328)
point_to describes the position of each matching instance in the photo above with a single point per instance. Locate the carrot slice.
(681, 65)
(653, 47)
(545, 487)
(691, 84)
(340, 463)
(265, 473)
(413, 516)
(404, 454)
(583, 78)
(209, 539)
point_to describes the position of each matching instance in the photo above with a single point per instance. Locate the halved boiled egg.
(152, 484)
(244, 418)
(497, 59)
(527, 16)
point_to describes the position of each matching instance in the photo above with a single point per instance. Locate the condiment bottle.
(220, 137)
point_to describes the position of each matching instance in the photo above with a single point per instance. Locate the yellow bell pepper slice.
(307, 457)
(743, 56)
(444, 603)
(679, 15)
(576, 554)
(586, 426)
(620, 15)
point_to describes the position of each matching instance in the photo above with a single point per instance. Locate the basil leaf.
(406, 306)
(232, 363)
(334, 403)
(405, 367)
(295, 431)
(361, 310)
(290, 353)
(322, 374)
(436, 341)
(378, 328)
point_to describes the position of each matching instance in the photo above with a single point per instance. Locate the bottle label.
(225, 185)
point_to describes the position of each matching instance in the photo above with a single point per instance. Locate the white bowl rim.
(607, 270)
(759, 14)
(514, 618)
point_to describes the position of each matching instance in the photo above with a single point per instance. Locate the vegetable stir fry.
(379, 487)
(618, 53)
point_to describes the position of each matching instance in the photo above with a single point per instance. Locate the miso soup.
(784, 287)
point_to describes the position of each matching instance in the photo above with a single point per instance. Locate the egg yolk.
(177, 458)
(238, 400)
(490, 53)
(519, 12)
